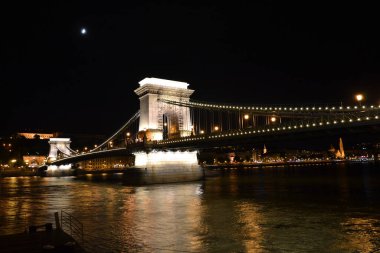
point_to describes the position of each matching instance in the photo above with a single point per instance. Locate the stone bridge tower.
(160, 120)
(59, 146)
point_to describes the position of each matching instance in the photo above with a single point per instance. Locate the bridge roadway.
(268, 134)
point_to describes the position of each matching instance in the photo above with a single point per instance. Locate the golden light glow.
(246, 116)
(359, 97)
(13, 160)
(202, 132)
(128, 134)
(273, 119)
(216, 128)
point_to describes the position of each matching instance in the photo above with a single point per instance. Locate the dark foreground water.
(330, 208)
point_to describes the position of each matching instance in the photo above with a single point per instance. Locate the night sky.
(54, 78)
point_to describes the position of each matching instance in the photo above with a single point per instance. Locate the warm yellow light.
(13, 160)
(202, 132)
(95, 145)
(165, 124)
(216, 128)
(273, 119)
(246, 116)
(128, 134)
(359, 97)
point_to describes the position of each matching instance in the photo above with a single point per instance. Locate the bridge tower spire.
(153, 110)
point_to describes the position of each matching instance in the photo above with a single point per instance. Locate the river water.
(327, 208)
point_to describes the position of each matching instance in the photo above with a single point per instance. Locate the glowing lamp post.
(359, 98)
(246, 117)
(13, 162)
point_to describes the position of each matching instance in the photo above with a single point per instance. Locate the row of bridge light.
(265, 130)
(283, 108)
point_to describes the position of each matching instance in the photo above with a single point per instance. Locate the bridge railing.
(72, 226)
(283, 109)
(296, 125)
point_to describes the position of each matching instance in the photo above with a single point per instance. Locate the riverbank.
(18, 173)
(275, 164)
(137, 173)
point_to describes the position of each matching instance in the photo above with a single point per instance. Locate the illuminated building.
(41, 136)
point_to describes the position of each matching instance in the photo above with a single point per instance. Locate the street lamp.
(359, 97)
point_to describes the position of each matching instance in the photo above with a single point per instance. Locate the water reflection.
(294, 209)
(361, 235)
(250, 219)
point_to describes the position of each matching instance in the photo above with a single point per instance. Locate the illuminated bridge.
(170, 128)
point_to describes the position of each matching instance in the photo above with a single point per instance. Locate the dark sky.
(252, 52)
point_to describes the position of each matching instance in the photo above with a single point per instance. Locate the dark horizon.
(56, 79)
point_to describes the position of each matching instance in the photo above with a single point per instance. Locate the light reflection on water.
(295, 209)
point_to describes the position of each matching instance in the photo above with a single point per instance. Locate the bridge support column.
(167, 166)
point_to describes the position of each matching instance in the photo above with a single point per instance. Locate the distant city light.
(216, 128)
(273, 119)
(246, 116)
(83, 31)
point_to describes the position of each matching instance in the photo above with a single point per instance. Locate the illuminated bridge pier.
(167, 166)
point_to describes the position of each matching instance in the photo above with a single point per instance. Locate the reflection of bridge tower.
(59, 146)
(156, 116)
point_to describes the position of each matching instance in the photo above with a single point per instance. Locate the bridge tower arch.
(59, 146)
(153, 110)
